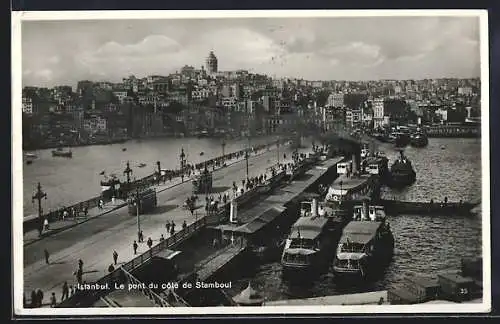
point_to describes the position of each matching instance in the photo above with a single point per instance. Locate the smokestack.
(314, 207)
(233, 211)
(365, 210)
(354, 163)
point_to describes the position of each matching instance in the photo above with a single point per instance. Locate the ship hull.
(419, 142)
(398, 180)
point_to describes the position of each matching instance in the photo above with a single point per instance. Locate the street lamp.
(137, 202)
(128, 171)
(278, 149)
(183, 163)
(223, 149)
(39, 195)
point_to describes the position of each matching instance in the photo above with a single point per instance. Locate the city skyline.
(346, 48)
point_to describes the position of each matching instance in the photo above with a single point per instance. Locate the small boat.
(102, 172)
(29, 161)
(61, 153)
(202, 153)
(31, 155)
(141, 165)
(124, 149)
(443, 147)
(418, 139)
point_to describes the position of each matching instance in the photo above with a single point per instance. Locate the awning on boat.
(259, 222)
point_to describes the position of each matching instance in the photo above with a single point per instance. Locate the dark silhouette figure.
(80, 264)
(53, 301)
(47, 255)
(39, 298)
(34, 299)
(135, 247)
(115, 257)
(111, 268)
(150, 242)
(79, 276)
(184, 225)
(65, 291)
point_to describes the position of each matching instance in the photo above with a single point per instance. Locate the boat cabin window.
(373, 168)
(347, 264)
(295, 258)
(352, 247)
(301, 243)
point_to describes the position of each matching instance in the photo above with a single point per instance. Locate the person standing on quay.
(47, 255)
(65, 291)
(115, 257)
(80, 265)
(135, 247)
(53, 301)
(79, 276)
(141, 236)
(162, 238)
(167, 225)
(39, 298)
(172, 228)
(150, 242)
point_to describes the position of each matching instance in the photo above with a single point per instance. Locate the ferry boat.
(353, 186)
(377, 164)
(367, 243)
(312, 238)
(109, 186)
(61, 153)
(419, 139)
(141, 165)
(402, 172)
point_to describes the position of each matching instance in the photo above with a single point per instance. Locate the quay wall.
(33, 222)
(459, 131)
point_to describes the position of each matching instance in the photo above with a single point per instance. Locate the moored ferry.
(367, 243)
(312, 238)
(353, 186)
(401, 172)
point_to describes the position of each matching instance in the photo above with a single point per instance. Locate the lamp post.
(39, 195)
(183, 163)
(223, 149)
(278, 149)
(128, 171)
(137, 202)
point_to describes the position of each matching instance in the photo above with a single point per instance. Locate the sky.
(331, 48)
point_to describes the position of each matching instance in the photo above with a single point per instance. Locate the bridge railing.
(155, 298)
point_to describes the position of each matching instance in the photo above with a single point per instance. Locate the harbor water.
(423, 244)
(71, 180)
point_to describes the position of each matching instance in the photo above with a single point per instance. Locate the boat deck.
(350, 182)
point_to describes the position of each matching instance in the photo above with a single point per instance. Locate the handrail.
(147, 291)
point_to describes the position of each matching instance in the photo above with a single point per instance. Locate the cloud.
(45, 74)
(312, 48)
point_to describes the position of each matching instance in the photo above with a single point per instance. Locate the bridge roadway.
(94, 241)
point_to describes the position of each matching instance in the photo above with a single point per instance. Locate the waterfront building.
(27, 105)
(378, 113)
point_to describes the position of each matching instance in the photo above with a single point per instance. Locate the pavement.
(95, 241)
(57, 226)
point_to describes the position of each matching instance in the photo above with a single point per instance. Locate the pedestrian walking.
(47, 255)
(79, 276)
(172, 228)
(184, 225)
(162, 238)
(46, 224)
(71, 291)
(33, 301)
(167, 226)
(135, 247)
(80, 264)
(86, 211)
(65, 291)
(150, 242)
(39, 298)
(53, 301)
(141, 236)
(111, 268)
(115, 257)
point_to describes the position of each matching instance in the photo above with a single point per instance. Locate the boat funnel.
(233, 211)
(354, 163)
(364, 214)
(314, 207)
